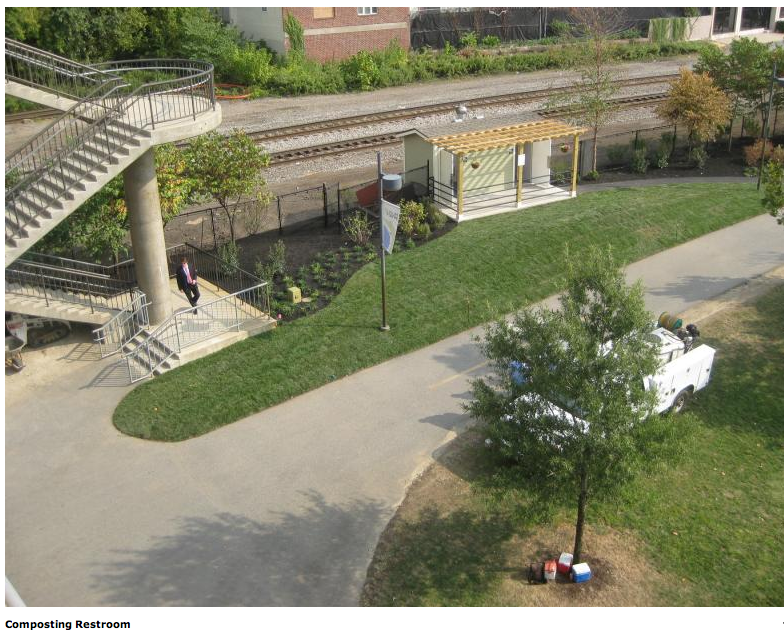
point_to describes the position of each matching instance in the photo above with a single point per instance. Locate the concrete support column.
(520, 158)
(149, 247)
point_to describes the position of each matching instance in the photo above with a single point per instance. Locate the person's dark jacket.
(182, 278)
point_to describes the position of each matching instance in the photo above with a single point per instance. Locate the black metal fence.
(435, 27)
(304, 209)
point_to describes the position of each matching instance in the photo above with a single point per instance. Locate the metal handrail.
(36, 171)
(28, 65)
(186, 328)
(121, 329)
(30, 279)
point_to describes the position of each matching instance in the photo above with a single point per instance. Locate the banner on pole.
(390, 214)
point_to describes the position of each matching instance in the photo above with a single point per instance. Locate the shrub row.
(393, 66)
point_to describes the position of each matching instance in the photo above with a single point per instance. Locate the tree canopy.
(227, 168)
(695, 102)
(567, 402)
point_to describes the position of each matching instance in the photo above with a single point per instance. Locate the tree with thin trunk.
(228, 169)
(591, 103)
(773, 196)
(566, 403)
(695, 102)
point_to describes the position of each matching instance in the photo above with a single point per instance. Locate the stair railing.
(36, 172)
(51, 283)
(33, 67)
(186, 328)
(121, 329)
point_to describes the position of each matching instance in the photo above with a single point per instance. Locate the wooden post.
(459, 186)
(326, 205)
(575, 158)
(340, 213)
(519, 171)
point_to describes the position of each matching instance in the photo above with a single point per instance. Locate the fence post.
(742, 124)
(326, 208)
(214, 236)
(675, 139)
(280, 217)
(340, 213)
(427, 175)
(636, 139)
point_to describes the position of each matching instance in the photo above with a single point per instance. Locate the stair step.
(125, 128)
(98, 146)
(90, 161)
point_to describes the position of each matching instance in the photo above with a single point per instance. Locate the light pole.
(773, 81)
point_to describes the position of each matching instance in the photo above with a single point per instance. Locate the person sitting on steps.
(186, 282)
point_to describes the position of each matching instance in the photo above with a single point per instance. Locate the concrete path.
(282, 508)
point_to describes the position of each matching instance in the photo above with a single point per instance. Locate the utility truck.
(684, 369)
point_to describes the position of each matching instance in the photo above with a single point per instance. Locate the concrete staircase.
(107, 125)
(156, 358)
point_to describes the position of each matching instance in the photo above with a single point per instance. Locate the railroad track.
(384, 140)
(342, 123)
(32, 114)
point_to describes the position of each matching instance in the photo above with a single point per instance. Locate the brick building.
(331, 33)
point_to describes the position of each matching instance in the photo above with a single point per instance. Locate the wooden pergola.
(503, 137)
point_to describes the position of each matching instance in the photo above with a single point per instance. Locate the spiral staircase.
(112, 114)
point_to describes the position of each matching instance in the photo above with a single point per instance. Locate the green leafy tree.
(228, 168)
(99, 227)
(773, 196)
(572, 375)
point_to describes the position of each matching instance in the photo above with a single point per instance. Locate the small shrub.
(662, 158)
(779, 26)
(412, 214)
(410, 244)
(630, 34)
(560, 28)
(752, 153)
(448, 49)
(639, 161)
(491, 41)
(294, 29)
(229, 254)
(435, 217)
(698, 156)
(593, 175)
(276, 258)
(358, 228)
(616, 154)
(263, 271)
(468, 40)
(423, 230)
(360, 71)
(249, 66)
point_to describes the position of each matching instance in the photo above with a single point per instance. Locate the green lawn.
(479, 270)
(706, 528)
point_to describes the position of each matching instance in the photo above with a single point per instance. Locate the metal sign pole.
(384, 324)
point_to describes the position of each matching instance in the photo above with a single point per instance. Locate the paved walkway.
(282, 508)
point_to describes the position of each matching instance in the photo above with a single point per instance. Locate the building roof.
(475, 135)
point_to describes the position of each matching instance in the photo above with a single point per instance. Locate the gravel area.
(274, 112)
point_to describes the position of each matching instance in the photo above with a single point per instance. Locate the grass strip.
(481, 269)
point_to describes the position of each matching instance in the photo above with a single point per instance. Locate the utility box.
(294, 294)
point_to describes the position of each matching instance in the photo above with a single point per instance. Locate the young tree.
(592, 104)
(227, 168)
(695, 102)
(573, 416)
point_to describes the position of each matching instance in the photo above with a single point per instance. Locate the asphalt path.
(282, 508)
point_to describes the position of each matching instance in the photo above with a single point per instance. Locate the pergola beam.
(505, 136)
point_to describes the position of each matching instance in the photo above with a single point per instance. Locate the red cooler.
(565, 563)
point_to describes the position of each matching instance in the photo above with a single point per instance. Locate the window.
(367, 10)
(319, 13)
(263, 8)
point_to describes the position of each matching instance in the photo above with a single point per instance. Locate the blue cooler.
(581, 573)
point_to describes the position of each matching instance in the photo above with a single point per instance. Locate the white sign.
(390, 214)
(521, 160)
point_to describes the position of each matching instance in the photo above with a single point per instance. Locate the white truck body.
(680, 371)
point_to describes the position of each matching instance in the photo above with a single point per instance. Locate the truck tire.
(680, 401)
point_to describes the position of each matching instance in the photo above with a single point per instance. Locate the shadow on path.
(317, 557)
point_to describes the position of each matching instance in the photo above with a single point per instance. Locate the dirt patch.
(442, 513)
